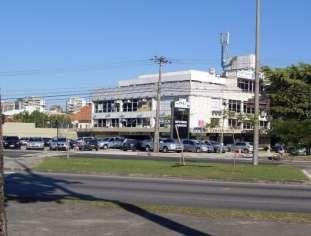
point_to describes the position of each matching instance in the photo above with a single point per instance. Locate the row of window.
(246, 85)
(128, 105)
(235, 105)
(116, 123)
(233, 123)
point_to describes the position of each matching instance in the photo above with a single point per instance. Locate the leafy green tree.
(43, 120)
(289, 90)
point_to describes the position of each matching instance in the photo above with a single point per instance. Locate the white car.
(35, 143)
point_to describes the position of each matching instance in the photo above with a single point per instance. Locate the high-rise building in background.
(74, 104)
(7, 106)
(31, 104)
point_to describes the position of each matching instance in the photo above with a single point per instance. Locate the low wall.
(30, 130)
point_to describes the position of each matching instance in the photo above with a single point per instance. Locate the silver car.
(166, 145)
(245, 147)
(59, 144)
(111, 142)
(196, 146)
(35, 143)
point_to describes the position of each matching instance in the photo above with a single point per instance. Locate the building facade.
(7, 106)
(221, 101)
(31, 104)
(74, 104)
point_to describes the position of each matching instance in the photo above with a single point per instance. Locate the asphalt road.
(33, 187)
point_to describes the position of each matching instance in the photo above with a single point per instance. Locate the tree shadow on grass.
(29, 187)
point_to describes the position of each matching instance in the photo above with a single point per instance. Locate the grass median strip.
(211, 213)
(195, 170)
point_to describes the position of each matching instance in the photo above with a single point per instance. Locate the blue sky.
(81, 44)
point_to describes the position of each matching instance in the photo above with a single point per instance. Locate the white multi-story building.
(7, 106)
(74, 104)
(131, 107)
(31, 104)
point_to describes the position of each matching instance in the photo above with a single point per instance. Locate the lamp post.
(256, 97)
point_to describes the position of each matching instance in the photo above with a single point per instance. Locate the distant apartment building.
(7, 106)
(55, 109)
(130, 108)
(31, 104)
(74, 104)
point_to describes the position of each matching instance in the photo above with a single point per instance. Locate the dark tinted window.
(61, 140)
(169, 141)
(11, 138)
(92, 141)
(35, 139)
(131, 141)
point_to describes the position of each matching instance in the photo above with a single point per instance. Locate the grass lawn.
(195, 170)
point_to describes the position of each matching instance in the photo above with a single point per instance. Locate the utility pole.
(256, 99)
(3, 221)
(156, 142)
(224, 103)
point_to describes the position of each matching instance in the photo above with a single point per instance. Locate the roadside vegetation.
(193, 170)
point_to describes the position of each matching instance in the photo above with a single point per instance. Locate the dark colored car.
(88, 145)
(130, 144)
(11, 142)
(47, 142)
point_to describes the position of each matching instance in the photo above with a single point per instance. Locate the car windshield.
(11, 138)
(61, 140)
(169, 140)
(35, 139)
(104, 139)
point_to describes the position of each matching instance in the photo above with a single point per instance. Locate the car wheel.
(105, 147)
(245, 150)
(148, 149)
(165, 149)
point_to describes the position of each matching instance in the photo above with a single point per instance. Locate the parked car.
(87, 145)
(170, 145)
(245, 147)
(111, 142)
(146, 145)
(216, 146)
(11, 142)
(35, 143)
(196, 146)
(24, 141)
(47, 142)
(59, 144)
(72, 143)
(166, 145)
(130, 144)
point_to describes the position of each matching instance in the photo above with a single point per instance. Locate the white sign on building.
(182, 103)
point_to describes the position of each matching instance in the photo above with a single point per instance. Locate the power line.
(57, 70)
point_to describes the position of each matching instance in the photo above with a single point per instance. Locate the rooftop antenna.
(225, 42)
